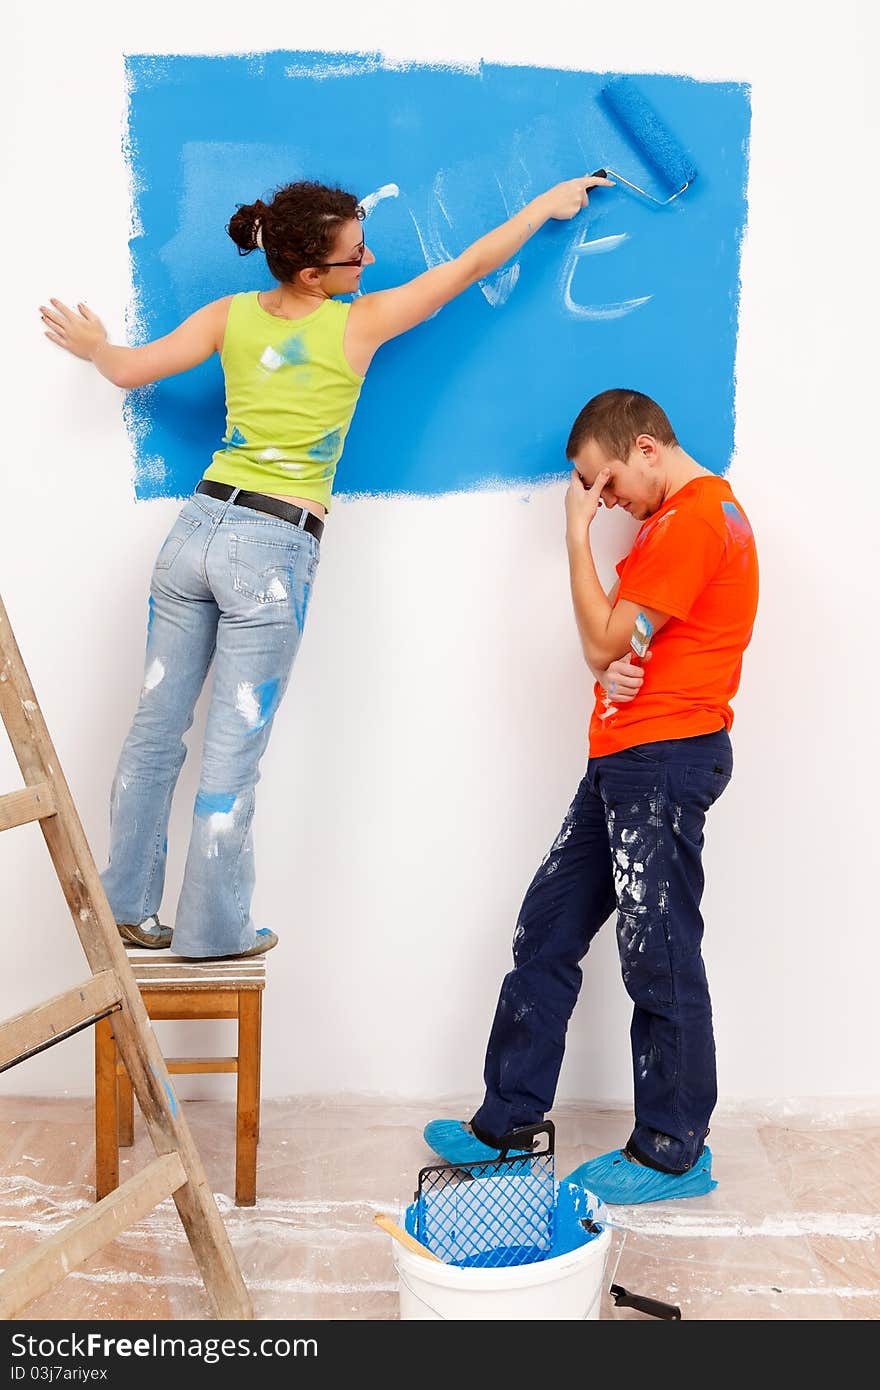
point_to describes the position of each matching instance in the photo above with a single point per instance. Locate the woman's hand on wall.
(192, 342)
(80, 332)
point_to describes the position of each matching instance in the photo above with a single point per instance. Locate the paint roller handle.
(404, 1237)
(652, 1306)
(603, 174)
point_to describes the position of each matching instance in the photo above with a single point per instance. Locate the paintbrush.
(639, 642)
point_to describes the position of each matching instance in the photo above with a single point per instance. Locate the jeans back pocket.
(273, 571)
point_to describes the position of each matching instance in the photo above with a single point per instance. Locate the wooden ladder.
(109, 992)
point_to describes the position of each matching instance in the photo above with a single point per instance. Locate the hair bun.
(246, 226)
(296, 228)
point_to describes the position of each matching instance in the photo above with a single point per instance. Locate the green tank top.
(290, 396)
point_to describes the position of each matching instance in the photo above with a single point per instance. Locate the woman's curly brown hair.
(296, 229)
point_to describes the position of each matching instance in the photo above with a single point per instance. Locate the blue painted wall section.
(485, 392)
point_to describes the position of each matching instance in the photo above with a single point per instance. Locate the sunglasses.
(356, 260)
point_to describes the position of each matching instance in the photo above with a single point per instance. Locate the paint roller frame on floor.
(646, 132)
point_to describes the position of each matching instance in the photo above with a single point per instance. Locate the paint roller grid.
(490, 1215)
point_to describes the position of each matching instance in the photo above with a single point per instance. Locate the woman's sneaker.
(265, 940)
(150, 933)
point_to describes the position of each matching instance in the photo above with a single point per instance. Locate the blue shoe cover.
(620, 1182)
(454, 1143)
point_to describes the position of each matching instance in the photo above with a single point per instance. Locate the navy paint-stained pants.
(632, 840)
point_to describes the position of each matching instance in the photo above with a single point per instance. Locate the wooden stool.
(172, 988)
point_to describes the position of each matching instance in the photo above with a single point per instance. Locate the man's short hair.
(615, 419)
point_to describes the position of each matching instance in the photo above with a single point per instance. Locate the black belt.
(258, 502)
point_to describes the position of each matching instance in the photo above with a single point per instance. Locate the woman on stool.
(233, 578)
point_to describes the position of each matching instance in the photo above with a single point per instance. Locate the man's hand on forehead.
(600, 482)
(582, 502)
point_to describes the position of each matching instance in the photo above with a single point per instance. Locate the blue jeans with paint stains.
(632, 840)
(231, 583)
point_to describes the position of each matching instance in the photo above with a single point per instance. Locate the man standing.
(660, 755)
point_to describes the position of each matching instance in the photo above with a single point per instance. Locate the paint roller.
(646, 132)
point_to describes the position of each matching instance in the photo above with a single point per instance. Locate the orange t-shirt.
(694, 559)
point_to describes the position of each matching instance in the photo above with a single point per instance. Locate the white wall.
(441, 664)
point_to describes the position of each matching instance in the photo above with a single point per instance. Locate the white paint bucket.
(564, 1287)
